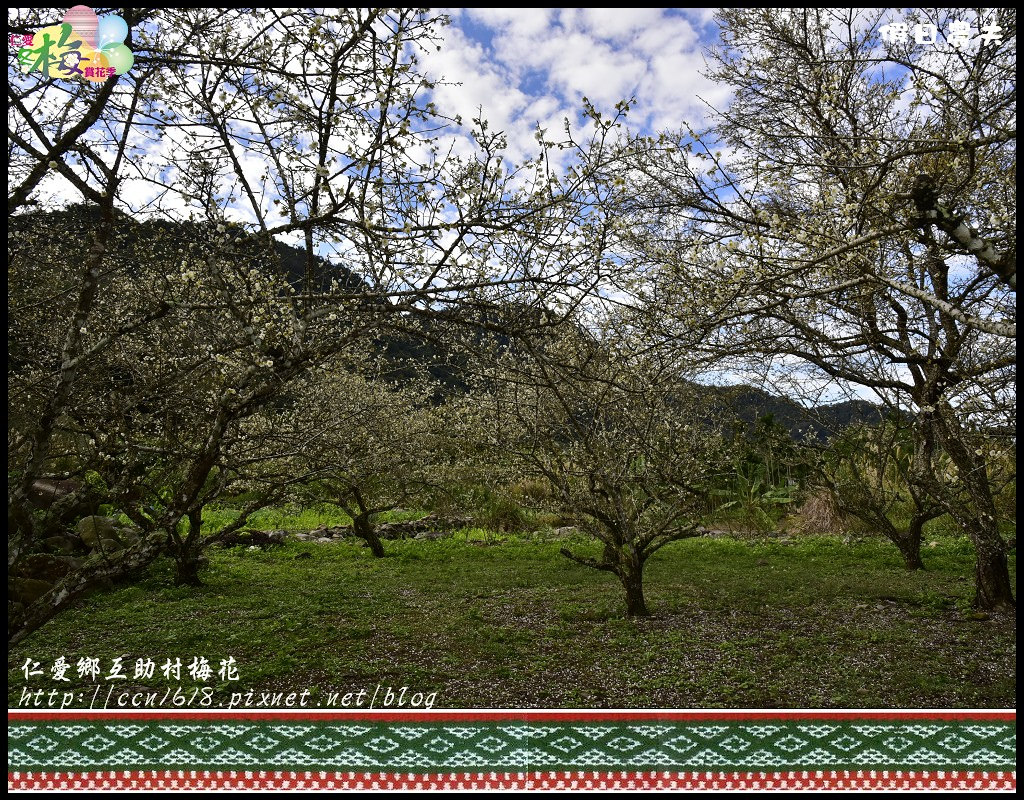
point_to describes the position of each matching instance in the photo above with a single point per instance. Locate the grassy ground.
(809, 622)
(294, 518)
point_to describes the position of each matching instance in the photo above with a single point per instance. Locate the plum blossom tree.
(849, 220)
(358, 441)
(151, 336)
(622, 439)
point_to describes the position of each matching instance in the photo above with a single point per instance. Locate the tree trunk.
(978, 519)
(186, 570)
(910, 544)
(21, 623)
(911, 553)
(632, 580)
(993, 590)
(187, 555)
(365, 530)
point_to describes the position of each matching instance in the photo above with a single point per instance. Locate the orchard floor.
(806, 623)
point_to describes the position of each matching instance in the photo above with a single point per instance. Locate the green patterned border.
(454, 746)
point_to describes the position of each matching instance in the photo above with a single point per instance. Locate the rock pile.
(431, 526)
(253, 538)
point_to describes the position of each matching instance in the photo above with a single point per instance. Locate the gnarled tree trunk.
(23, 622)
(977, 516)
(628, 567)
(636, 606)
(993, 590)
(188, 552)
(909, 542)
(363, 527)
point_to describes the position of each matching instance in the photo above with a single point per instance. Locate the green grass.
(488, 621)
(294, 517)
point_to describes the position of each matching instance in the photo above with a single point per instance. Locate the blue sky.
(529, 66)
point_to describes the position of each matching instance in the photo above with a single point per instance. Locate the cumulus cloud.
(528, 66)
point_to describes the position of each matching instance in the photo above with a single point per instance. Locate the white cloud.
(515, 21)
(615, 24)
(524, 66)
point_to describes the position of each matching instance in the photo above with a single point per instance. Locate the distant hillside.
(403, 352)
(139, 238)
(748, 403)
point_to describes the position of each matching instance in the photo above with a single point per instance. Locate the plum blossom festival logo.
(83, 46)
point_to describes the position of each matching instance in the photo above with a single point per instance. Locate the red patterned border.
(498, 715)
(171, 780)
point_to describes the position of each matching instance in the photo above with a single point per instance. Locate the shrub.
(820, 514)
